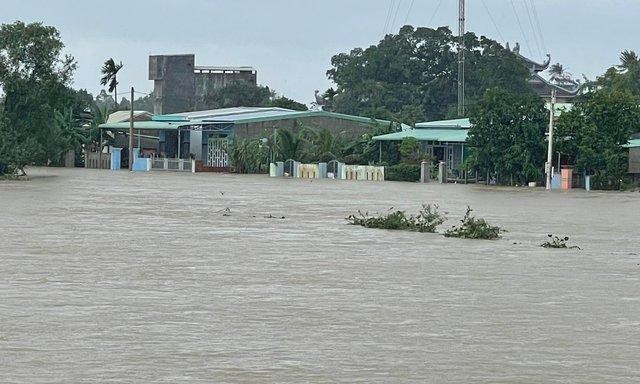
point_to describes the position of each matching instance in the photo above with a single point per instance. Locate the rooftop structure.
(180, 85)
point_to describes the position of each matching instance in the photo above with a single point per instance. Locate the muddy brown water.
(118, 277)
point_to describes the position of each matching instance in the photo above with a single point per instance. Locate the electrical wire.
(389, 13)
(537, 19)
(492, 20)
(533, 28)
(406, 19)
(395, 16)
(524, 35)
(435, 12)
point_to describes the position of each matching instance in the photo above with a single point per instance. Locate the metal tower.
(461, 49)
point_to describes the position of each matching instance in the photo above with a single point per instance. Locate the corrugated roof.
(441, 135)
(446, 124)
(120, 116)
(244, 115)
(151, 125)
(634, 143)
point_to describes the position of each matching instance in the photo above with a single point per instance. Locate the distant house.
(634, 158)
(208, 135)
(443, 140)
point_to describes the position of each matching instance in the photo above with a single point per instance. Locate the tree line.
(407, 77)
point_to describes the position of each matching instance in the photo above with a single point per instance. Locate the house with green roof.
(443, 140)
(207, 135)
(634, 158)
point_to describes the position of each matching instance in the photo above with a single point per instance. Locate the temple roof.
(564, 91)
(532, 66)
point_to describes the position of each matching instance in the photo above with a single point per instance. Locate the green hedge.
(403, 172)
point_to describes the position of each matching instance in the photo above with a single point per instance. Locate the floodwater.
(143, 278)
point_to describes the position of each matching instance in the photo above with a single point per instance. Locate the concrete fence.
(97, 160)
(332, 170)
(176, 165)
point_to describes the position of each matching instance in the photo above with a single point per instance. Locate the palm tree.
(556, 71)
(628, 60)
(110, 71)
(289, 144)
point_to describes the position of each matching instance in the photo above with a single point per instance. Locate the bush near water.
(427, 220)
(472, 228)
(403, 172)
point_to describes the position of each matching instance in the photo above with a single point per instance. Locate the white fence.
(321, 171)
(176, 165)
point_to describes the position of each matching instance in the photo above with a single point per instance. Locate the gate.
(333, 169)
(218, 152)
(289, 168)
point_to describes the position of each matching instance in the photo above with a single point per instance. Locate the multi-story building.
(180, 85)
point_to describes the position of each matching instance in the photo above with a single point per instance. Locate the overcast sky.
(291, 42)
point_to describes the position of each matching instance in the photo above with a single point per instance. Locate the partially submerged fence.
(176, 165)
(331, 170)
(97, 160)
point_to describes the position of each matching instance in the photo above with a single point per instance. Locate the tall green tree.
(285, 102)
(623, 77)
(508, 135)
(109, 78)
(592, 135)
(34, 76)
(414, 73)
(243, 94)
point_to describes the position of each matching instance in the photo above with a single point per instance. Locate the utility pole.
(461, 48)
(131, 134)
(548, 166)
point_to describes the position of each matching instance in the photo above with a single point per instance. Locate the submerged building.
(179, 85)
(442, 140)
(207, 136)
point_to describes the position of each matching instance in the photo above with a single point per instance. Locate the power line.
(395, 16)
(409, 11)
(435, 12)
(535, 16)
(389, 13)
(533, 29)
(492, 20)
(524, 36)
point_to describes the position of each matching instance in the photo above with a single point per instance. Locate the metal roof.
(121, 116)
(634, 143)
(150, 125)
(441, 135)
(244, 115)
(446, 124)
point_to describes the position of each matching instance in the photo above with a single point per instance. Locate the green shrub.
(427, 220)
(403, 172)
(472, 228)
(558, 243)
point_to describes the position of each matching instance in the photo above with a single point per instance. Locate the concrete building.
(207, 136)
(179, 85)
